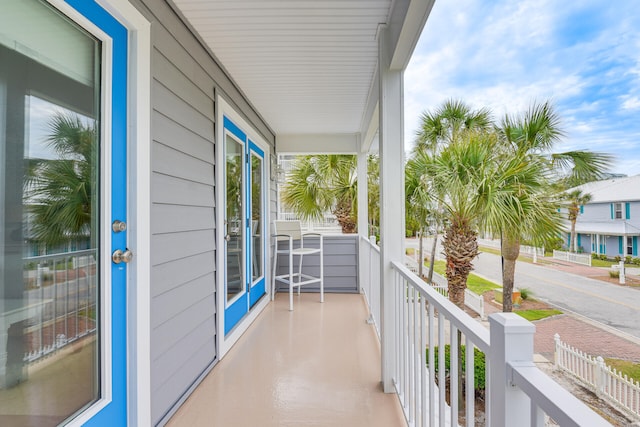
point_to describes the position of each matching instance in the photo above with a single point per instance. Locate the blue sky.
(584, 56)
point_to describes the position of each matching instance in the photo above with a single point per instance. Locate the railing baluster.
(453, 372)
(469, 380)
(537, 415)
(441, 368)
(432, 368)
(410, 352)
(423, 363)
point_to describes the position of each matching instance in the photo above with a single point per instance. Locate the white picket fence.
(610, 385)
(524, 249)
(472, 300)
(583, 259)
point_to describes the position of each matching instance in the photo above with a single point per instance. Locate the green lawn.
(474, 283)
(632, 370)
(532, 315)
(497, 252)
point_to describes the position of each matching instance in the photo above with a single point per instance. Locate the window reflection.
(49, 192)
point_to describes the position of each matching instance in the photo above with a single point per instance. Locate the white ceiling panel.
(306, 65)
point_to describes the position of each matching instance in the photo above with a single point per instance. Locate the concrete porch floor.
(316, 366)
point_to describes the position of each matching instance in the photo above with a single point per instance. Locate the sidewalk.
(632, 273)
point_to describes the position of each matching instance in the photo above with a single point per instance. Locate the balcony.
(317, 365)
(320, 365)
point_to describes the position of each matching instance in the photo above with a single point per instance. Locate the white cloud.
(630, 102)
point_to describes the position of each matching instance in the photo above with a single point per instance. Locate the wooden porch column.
(391, 196)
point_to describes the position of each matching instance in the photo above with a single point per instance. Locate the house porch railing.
(434, 340)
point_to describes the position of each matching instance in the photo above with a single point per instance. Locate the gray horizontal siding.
(168, 189)
(185, 78)
(340, 265)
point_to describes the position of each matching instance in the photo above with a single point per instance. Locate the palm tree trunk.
(572, 243)
(510, 252)
(460, 247)
(432, 264)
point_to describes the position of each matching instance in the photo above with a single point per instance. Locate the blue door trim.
(115, 413)
(253, 291)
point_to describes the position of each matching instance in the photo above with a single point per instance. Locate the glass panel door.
(53, 352)
(234, 219)
(244, 224)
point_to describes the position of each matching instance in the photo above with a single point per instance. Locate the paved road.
(612, 305)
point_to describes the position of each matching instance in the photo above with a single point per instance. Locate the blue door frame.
(254, 290)
(115, 411)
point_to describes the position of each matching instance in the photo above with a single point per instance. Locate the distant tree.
(533, 136)
(322, 183)
(575, 199)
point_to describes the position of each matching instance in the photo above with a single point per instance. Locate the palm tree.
(60, 193)
(420, 204)
(533, 136)
(324, 183)
(447, 124)
(575, 198)
(373, 191)
(459, 172)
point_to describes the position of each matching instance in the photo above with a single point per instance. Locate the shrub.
(479, 381)
(594, 255)
(603, 257)
(617, 258)
(627, 259)
(524, 293)
(636, 261)
(614, 274)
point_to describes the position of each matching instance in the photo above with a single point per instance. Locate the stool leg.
(290, 279)
(321, 271)
(299, 274)
(273, 276)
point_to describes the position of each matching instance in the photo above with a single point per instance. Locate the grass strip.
(533, 315)
(475, 283)
(625, 367)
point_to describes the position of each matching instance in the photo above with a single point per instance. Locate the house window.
(629, 245)
(617, 210)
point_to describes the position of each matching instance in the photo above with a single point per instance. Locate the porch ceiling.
(309, 67)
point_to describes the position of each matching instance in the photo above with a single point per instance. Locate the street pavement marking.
(593, 294)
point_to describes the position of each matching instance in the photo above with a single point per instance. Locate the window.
(617, 207)
(629, 245)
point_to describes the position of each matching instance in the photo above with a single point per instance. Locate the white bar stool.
(290, 231)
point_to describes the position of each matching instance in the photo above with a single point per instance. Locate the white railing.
(472, 300)
(328, 223)
(606, 382)
(370, 283)
(63, 288)
(515, 392)
(425, 324)
(583, 259)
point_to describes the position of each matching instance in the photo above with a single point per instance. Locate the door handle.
(120, 256)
